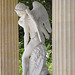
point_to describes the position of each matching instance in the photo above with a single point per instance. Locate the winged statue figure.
(36, 25)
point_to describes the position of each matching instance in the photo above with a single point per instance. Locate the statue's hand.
(27, 11)
(30, 14)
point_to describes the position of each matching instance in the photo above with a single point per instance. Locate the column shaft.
(9, 52)
(63, 41)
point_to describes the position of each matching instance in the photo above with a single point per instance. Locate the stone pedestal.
(63, 37)
(9, 52)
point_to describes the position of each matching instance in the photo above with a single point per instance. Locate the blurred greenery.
(48, 43)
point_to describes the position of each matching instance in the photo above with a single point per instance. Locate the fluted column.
(9, 52)
(63, 37)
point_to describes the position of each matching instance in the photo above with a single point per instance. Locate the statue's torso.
(31, 25)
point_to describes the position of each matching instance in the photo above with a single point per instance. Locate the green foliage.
(20, 67)
(21, 50)
(21, 45)
(49, 65)
(48, 43)
(49, 57)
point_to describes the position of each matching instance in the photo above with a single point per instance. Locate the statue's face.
(20, 13)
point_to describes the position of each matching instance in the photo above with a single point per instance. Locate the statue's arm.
(22, 23)
(26, 36)
(29, 13)
(26, 39)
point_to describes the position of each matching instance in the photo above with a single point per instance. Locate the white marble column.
(63, 41)
(9, 52)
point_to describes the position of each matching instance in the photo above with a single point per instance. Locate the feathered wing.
(35, 23)
(42, 16)
(37, 58)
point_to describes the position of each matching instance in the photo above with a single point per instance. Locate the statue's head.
(20, 9)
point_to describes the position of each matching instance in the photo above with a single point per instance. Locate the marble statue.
(35, 23)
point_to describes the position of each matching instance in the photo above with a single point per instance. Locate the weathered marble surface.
(35, 23)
